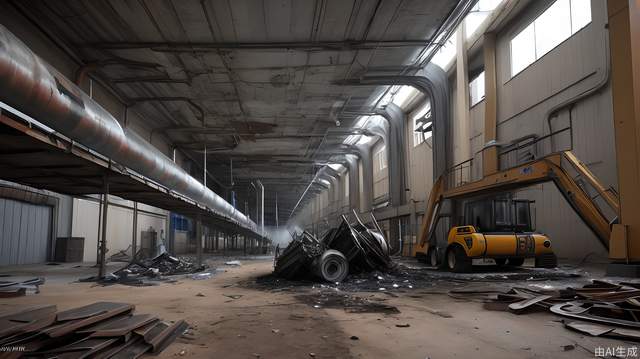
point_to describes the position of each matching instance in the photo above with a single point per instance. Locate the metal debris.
(20, 288)
(600, 308)
(350, 248)
(99, 330)
(148, 272)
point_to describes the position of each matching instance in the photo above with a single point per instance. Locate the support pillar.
(103, 238)
(199, 241)
(462, 144)
(490, 151)
(624, 35)
(134, 237)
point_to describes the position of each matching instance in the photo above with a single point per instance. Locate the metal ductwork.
(29, 84)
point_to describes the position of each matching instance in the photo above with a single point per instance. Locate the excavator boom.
(546, 169)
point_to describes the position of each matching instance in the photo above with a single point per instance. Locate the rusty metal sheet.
(122, 326)
(88, 310)
(168, 335)
(79, 349)
(26, 320)
(133, 351)
(108, 310)
(115, 348)
(145, 330)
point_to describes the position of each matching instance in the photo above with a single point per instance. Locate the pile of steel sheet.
(597, 309)
(98, 330)
(349, 248)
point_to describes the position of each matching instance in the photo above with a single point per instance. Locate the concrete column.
(461, 138)
(490, 153)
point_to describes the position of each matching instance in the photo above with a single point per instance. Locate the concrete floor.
(276, 320)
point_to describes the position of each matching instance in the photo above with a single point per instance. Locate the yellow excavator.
(499, 227)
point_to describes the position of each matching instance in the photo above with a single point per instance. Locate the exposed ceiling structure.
(253, 81)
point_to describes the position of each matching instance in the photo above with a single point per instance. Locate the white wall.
(119, 225)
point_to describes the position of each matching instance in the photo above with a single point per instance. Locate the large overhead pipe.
(29, 84)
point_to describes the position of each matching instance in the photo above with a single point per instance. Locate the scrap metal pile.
(19, 288)
(163, 264)
(140, 272)
(597, 309)
(98, 330)
(349, 248)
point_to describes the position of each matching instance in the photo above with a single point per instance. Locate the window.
(381, 158)
(422, 124)
(557, 23)
(476, 89)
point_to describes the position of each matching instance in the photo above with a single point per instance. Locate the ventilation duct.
(29, 84)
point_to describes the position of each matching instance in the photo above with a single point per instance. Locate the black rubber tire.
(516, 262)
(432, 257)
(500, 261)
(457, 260)
(332, 266)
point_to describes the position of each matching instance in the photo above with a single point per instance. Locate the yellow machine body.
(499, 245)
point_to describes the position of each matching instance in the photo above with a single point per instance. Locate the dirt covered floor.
(243, 312)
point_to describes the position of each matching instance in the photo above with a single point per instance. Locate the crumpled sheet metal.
(598, 309)
(365, 250)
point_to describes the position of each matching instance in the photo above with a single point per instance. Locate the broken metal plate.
(517, 306)
(119, 327)
(88, 310)
(26, 320)
(595, 330)
(108, 310)
(168, 335)
(561, 309)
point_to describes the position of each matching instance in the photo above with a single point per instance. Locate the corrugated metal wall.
(25, 231)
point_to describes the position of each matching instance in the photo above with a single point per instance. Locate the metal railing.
(516, 153)
(460, 174)
(530, 148)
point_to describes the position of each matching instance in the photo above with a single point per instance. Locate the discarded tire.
(332, 266)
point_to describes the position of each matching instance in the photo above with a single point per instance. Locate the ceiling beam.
(215, 46)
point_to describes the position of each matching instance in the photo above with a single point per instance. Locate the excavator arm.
(547, 169)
